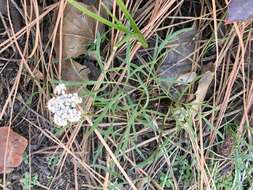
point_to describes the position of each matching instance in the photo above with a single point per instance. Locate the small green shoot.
(28, 182)
(53, 160)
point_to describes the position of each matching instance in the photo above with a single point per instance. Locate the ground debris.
(11, 150)
(78, 31)
(14, 14)
(226, 148)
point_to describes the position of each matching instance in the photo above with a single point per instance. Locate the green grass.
(171, 155)
(136, 115)
(135, 34)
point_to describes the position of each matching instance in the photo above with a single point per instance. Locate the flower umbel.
(64, 106)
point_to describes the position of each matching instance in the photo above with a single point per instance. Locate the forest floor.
(166, 88)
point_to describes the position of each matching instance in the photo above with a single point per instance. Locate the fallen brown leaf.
(73, 71)
(239, 10)
(178, 60)
(177, 67)
(78, 31)
(11, 150)
(226, 148)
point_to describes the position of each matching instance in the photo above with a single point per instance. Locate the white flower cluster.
(64, 106)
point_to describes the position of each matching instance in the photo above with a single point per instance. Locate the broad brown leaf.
(179, 57)
(177, 65)
(240, 10)
(12, 147)
(78, 31)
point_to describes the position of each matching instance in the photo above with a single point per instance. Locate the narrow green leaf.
(119, 26)
(91, 14)
(132, 22)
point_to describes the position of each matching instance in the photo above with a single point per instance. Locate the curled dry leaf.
(240, 10)
(12, 148)
(203, 86)
(78, 31)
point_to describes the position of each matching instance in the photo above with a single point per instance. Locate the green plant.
(165, 180)
(29, 181)
(26, 158)
(225, 183)
(53, 160)
(136, 33)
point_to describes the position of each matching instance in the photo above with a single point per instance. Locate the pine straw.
(129, 131)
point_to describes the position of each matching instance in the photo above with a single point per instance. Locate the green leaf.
(91, 14)
(132, 22)
(118, 25)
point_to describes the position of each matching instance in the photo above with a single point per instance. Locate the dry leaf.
(226, 148)
(78, 31)
(203, 86)
(177, 66)
(16, 17)
(15, 148)
(37, 73)
(73, 71)
(240, 10)
(179, 58)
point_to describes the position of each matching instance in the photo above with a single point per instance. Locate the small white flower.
(60, 89)
(60, 121)
(64, 106)
(51, 105)
(75, 116)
